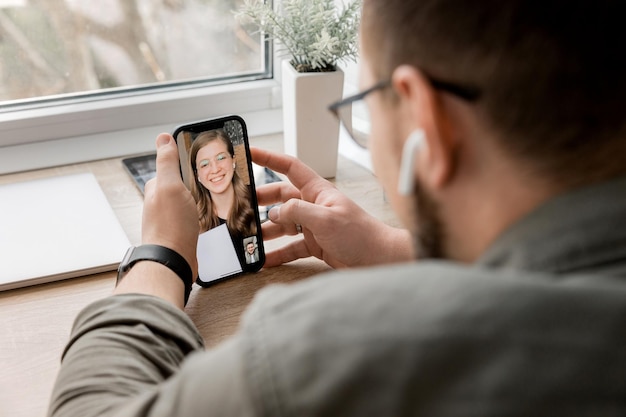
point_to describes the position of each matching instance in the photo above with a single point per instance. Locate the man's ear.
(406, 176)
(423, 108)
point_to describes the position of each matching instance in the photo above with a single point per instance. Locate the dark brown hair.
(551, 73)
(241, 220)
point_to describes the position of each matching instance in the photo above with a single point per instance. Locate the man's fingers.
(272, 230)
(296, 211)
(167, 165)
(291, 252)
(276, 192)
(298, 173)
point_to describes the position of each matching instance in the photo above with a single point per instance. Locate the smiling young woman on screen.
(221, 195)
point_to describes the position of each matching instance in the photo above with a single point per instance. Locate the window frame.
(80, 117)
(86, 127)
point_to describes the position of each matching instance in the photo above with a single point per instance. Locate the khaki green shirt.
(536, 328)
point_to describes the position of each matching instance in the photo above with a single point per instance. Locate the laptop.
(57, 228)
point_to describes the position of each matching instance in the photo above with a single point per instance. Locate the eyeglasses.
(353, 113)
(220, 158)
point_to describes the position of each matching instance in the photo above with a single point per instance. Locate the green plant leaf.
(316, 34)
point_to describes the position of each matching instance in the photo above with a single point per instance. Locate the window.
(71, 68)
(52, 48)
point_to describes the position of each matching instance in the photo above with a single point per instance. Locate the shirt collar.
(583, 230)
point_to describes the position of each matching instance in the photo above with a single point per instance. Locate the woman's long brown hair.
(241, 219)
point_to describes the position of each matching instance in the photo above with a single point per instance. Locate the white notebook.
(217, 257)
(57, 228)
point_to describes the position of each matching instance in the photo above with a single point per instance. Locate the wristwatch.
(172, 259)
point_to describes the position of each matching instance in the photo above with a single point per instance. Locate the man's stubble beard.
(427, 230)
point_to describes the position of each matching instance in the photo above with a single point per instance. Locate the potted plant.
(316, 35)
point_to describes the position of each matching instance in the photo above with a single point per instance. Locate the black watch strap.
(168, 257)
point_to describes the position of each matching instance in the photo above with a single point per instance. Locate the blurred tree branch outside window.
(60, 47)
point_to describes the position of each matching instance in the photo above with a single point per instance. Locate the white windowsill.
(90, 130)
(42, 138)
(44, 154)
(129, 112)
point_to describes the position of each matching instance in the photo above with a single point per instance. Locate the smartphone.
(141, 169)
(216, 166)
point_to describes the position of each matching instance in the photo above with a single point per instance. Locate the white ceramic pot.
(311, 131)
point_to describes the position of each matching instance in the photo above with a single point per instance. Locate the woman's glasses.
(353, 113)
(219, 159)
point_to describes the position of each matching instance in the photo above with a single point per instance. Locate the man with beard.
(498, 135)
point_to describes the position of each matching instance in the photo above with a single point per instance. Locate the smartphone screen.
(216, 166)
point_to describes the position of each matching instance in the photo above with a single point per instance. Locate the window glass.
(51, 49)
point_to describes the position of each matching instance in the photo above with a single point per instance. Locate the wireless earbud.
(406, 178)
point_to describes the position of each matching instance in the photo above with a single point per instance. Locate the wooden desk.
(35, 322)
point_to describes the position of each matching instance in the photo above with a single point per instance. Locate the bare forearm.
(390, 245)
(400, 245)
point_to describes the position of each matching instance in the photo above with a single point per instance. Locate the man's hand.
(170, 219)
(335, 228)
